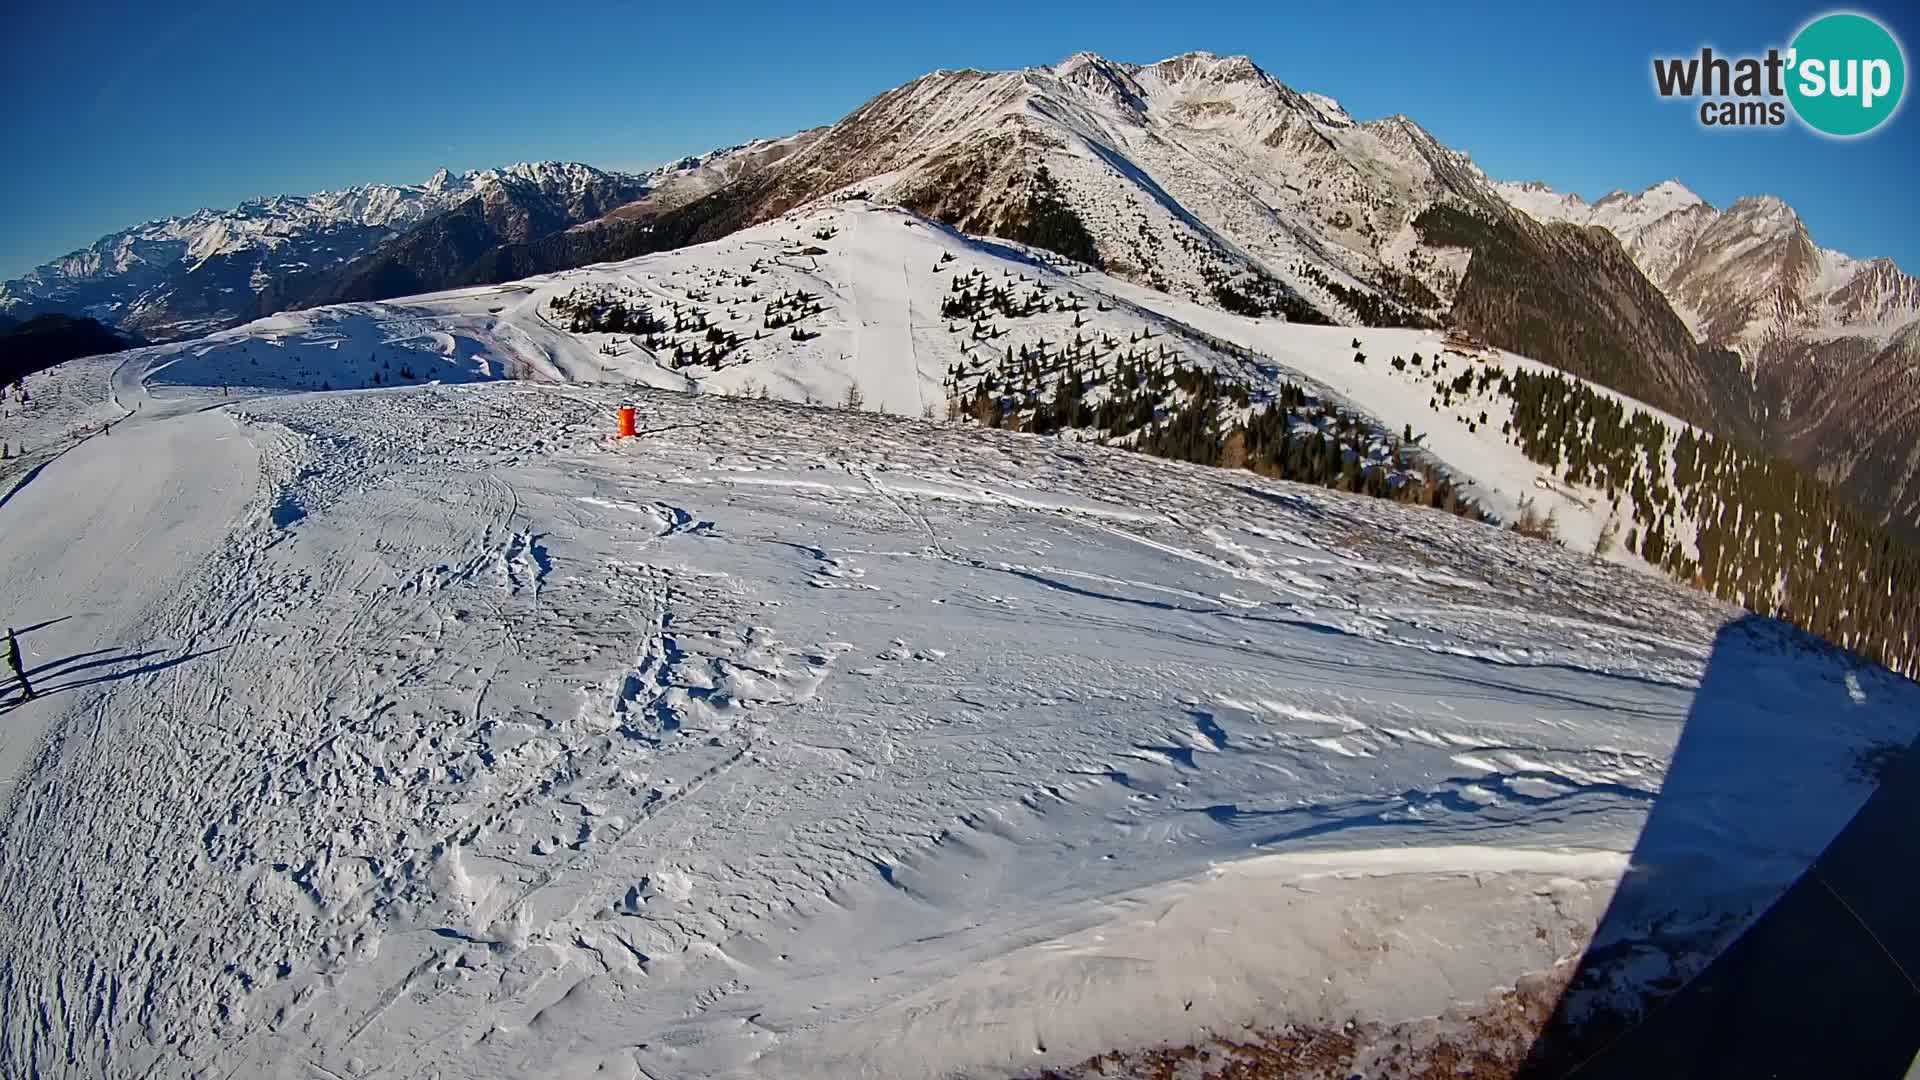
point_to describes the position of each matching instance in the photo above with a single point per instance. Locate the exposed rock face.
(1828, 343)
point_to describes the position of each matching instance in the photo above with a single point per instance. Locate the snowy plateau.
(396, 719)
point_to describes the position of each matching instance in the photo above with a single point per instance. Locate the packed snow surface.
(433, 731)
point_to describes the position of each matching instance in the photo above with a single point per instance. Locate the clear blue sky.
(117, 111)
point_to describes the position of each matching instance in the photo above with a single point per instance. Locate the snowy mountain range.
(1745, 277)
(180, 276)
(1831, 343)
(1197, 174)
(1200, 176)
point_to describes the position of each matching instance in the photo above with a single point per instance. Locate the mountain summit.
(1208, 179)
(1830, 343)
(1202, 176)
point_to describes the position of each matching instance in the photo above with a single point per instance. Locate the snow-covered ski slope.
(430, 731)
(880, 276)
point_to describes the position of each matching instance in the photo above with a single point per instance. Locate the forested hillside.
(1751, 529)
(1571, 297)
(46, 340)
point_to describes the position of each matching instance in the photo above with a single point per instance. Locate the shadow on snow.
(1823, 983)
(60, 676)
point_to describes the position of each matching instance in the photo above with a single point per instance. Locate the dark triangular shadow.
(1823, 983)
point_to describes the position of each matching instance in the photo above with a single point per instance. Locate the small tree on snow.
(1233, 453)
(1609, 535)
(1530, 522)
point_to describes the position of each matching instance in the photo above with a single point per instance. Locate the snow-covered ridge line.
(881, 277)
(884, 275)
(265, 219)
(1756, 247)
(202, 270)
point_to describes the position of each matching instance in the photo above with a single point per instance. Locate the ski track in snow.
(472, 742)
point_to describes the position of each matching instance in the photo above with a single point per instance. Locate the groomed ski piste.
(431, 730)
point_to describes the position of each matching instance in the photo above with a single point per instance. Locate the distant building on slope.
(1459, 341)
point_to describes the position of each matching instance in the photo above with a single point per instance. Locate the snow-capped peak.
(1768, 209)
(1330, 109)
(1079, 61)
(1672, 192)
(1742, 276)
(548, 175)
(1101, 76)
(1191, 56)
(1209, 65)
(1616, 208)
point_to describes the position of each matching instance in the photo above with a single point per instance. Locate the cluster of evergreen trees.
(791, 307)
(686, 333)
(1766, 535)
(1373, 309)
(1408, 289)
(1260, 296)
(598, 311)
(1154, 402)
(1139, 390)
(1249, 291)
(46, 340)
(1048, 222)
(1297, 437)
(973, 297)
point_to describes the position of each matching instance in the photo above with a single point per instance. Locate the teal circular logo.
(1847, 74)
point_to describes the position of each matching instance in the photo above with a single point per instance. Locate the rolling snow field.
(880, 276)
(432, 731)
